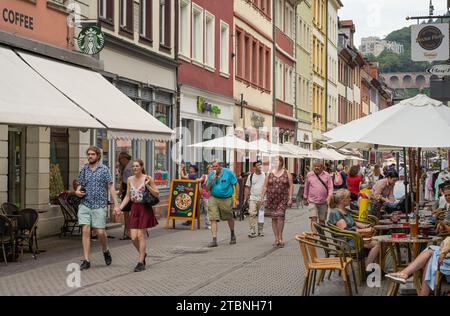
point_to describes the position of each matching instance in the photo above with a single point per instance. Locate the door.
(16, 166)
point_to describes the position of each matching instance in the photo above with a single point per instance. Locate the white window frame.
(209, 48)
(143, 18)
(162, 22)
(224, 48)
(279, 13)
(289, 20)
(123, 13)
(185, 41)
(102, 13)
(197, 10)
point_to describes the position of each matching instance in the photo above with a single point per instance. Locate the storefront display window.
(161, 155)
(59, 161)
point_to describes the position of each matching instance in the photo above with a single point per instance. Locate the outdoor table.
(393, 246)
(390, 222)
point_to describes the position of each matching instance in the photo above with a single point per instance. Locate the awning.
(27, 99)
(90, 91)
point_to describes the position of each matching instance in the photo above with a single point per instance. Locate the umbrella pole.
(418, 173)
(405, 182)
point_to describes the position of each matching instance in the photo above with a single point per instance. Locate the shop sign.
(203, 107)
(91, 40)
(257, 120)
(440, 70)
(17, 18)
(304, 137)
(430, 42)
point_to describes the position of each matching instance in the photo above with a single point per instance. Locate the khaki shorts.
(220, 209)
(318, 210)
(94, 217)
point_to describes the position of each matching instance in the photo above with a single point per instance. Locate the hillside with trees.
(392, 62)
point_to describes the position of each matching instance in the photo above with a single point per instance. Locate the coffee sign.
(203, 107)
(430, 42)
(440, 70)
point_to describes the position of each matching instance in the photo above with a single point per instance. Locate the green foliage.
(56, 181)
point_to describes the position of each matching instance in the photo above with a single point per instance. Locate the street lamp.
(243, 103)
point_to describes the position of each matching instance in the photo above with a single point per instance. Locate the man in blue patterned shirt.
(94, 182)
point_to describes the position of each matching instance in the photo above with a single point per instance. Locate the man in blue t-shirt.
(220, 183)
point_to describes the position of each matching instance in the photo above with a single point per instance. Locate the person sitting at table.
(444, 226)
(441, 205)
(340, 217)
(383, 191)
(431, 260)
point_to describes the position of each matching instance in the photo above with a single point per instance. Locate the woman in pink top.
(354, 180)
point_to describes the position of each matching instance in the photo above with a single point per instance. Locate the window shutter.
(167, 23)
(149, 19)
(110, 11)
(130, 10)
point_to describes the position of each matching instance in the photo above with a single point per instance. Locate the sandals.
(125, 237)
(397, 277)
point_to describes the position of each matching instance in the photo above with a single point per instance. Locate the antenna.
(431, 7)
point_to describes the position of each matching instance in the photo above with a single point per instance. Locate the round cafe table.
(393, 246)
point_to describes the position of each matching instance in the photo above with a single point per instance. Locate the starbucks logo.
(91, 40)
(430, 38)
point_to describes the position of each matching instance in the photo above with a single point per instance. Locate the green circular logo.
(91, 40)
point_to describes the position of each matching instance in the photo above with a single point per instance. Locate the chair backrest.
(66, 208)
(28, 219)
(5, 227)
(310, 242)
(10, 208)
(304, 249)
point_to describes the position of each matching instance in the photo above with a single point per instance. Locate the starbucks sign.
(430, 42)
(91, 40)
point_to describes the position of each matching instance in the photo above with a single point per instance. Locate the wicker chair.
(6, 237)
(27, 226)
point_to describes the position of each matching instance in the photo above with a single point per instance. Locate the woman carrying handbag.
(143, 193)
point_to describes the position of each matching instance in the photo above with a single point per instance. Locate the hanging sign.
(91, 40)
(440, 70)
(430, 42)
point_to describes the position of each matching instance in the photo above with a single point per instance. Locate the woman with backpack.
(339, 178)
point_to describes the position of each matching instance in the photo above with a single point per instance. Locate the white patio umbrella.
(296, 150)
(264, 146)
(332, 153)
(227, 142)
(416, 122)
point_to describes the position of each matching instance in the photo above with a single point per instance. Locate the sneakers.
(139, 267)
(187, 223)
(261, 234)
(252, 235)
(233, 240)
(85, 265)
(107, 256)
(212, 244)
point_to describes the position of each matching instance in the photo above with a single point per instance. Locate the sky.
(380, 17)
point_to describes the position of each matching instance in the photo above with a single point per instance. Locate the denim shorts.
(95, 217)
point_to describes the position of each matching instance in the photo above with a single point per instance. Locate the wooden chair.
(442, 287)
(6, 236)
(357, 247)
(309, 243)
(27, 226)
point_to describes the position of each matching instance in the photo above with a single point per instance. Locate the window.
(279, 83)
(59, 160)
(224, 48)
(185, 28)
(289, 20)
(209, 39)
(239, 52)
(197, 33)
(164, 23)
(161, 149)
(126, 15)
(279, 14)
(255, 52)
(261, 66)
(145, 16)
(289, 97)
(268, 69)
(106, 10)
(247, 51)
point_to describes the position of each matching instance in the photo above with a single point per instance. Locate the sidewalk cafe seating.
(27, 227)
(70, 215)
(9, 209)
(6, 237)
(310, 243)
(442, 284)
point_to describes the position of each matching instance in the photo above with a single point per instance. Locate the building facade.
(139, 59)
(304, 74)
(332, 62)
(253, 72)
(319, 56)
(205, 76)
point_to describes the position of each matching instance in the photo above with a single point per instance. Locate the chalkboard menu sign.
(183, 201)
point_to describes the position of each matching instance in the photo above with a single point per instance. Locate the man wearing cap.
(253, 188)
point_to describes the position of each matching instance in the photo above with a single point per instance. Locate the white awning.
(27, 99)
(89, 90)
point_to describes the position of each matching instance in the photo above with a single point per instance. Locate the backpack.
(337, 179)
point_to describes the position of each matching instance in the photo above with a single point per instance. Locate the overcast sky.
(380, 17)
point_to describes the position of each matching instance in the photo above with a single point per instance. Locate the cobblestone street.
(179, 263)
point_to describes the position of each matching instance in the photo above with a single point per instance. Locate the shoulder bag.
(148, 199)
